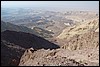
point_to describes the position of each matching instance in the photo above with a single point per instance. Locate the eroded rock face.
(79, 29)
(46, 58)
(10, 53)
(79, 47)
(80, 36)
(60, 57)
(87, 40)
(13, 45)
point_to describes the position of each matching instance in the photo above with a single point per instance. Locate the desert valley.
(40, 37)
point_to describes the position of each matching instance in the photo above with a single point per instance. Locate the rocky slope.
(37, 31)
(46, 58)
(79, 47)
(9, 26)
(59, 57)
(79, 29)
(27, 40)
(84, 41)
(13, 45)
(10, 53)
(77, 36)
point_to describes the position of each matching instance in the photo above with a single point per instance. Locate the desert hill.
(79, 45)
(13, 45)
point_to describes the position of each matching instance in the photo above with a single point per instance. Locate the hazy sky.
(84, 5)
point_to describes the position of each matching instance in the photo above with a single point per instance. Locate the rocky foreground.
(79, 47)
(46, 58)
(59, 57)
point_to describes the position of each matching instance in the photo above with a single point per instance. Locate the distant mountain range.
(31, 37)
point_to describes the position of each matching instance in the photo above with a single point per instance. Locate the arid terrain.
(80, 47)
(32, 37)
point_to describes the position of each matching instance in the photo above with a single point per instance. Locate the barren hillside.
(79, 46)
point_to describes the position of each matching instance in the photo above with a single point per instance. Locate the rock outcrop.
(13, 45)
(10, 53)
(59, 57)
(46, 58)
(79, 47)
